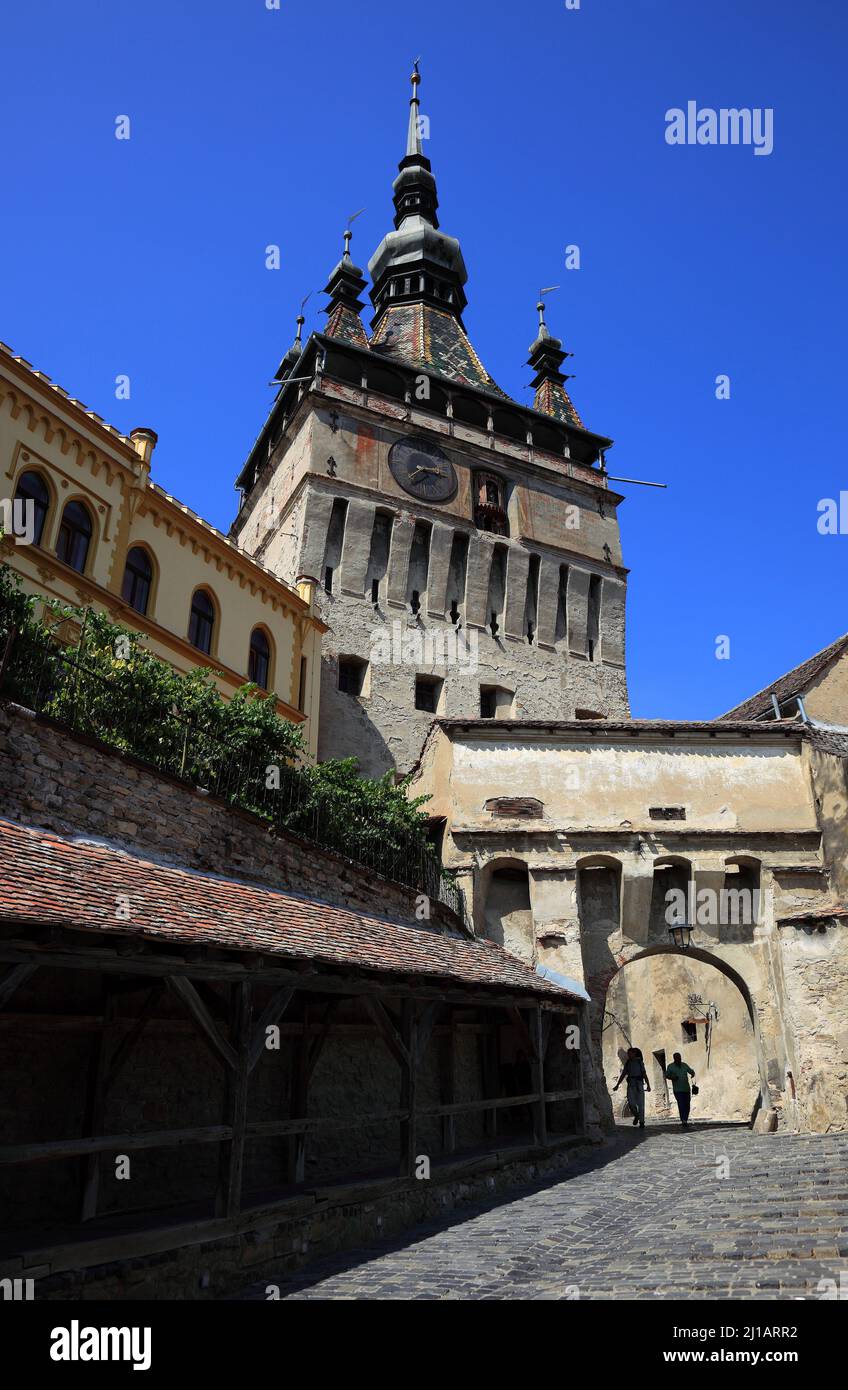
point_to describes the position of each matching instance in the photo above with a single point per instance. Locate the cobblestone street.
(645, 1216)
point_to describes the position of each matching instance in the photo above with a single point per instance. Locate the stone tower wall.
(393, 570)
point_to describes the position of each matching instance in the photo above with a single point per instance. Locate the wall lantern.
(681, 936)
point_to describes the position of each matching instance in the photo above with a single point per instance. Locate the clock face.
(422, 469)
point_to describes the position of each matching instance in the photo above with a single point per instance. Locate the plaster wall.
(646, 1005)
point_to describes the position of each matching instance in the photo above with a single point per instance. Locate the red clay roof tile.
(48, 880)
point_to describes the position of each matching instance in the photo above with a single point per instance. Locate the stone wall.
(573, 592)
(62, 782)
(815, 972)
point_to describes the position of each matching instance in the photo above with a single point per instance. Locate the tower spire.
(292, 357)
(416, 263)
(413, 138)
(344, 287)
(546, 358)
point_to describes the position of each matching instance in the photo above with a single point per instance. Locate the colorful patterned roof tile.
(553, 399)
(433, 339)
(346, 325)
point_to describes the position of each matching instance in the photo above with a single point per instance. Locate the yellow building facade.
(85, 524)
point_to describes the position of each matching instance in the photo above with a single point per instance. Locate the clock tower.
(464, 547)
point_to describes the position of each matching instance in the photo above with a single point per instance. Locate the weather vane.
(549, 289)
(348, 236)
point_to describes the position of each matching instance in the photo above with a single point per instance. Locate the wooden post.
(581, 1018)
(12, 980)
(489, 1047)
(537, 1063)
(228, 1202)
(447, 1083)
(96, 1106)
(299, 1099)
(409, 1087)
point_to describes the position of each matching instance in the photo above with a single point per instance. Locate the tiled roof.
(794, 682)
(345, 324)
(52, 881)
(628, 726)
(553, 399)
(431, 338)
(829, 740)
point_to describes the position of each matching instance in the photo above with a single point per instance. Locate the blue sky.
(252, 126)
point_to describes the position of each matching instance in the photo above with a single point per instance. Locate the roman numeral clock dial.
(422, 470)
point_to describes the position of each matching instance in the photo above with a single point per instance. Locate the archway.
(700, 1007)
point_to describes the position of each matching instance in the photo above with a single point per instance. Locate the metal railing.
(55, 680)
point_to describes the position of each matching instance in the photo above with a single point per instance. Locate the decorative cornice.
(89, 591)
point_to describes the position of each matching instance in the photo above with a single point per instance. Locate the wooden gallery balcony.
(192, 1059)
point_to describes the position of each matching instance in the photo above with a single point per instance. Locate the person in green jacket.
(678, 1074)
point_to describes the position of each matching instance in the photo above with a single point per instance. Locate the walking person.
(678, 1074)
(637, 1084)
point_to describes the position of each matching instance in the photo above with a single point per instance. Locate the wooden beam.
(489, 1103)
(426, 1025)
(271, 1129)
(447, 1083)
(317, 1045)
(299, 1100)
(393, 1040)
(215, 1003)
(229, 1195)
(96, 1102)
(526, 1033)
(12, 981)
(270, 1015)
(186, 992)
(130, 1039)
(24, 952)
(537, 1067)
(104, 1143)
(275, 1129)
(408, 1087)
(490, 1072)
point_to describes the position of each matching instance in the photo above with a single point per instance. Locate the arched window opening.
(32, 491)
(671, 898)
(201, 621)
(490, 504)
(138, 577)
(599, 896)
(259, 659)
(74, 539)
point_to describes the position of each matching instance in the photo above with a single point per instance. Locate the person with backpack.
(637, 1085)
